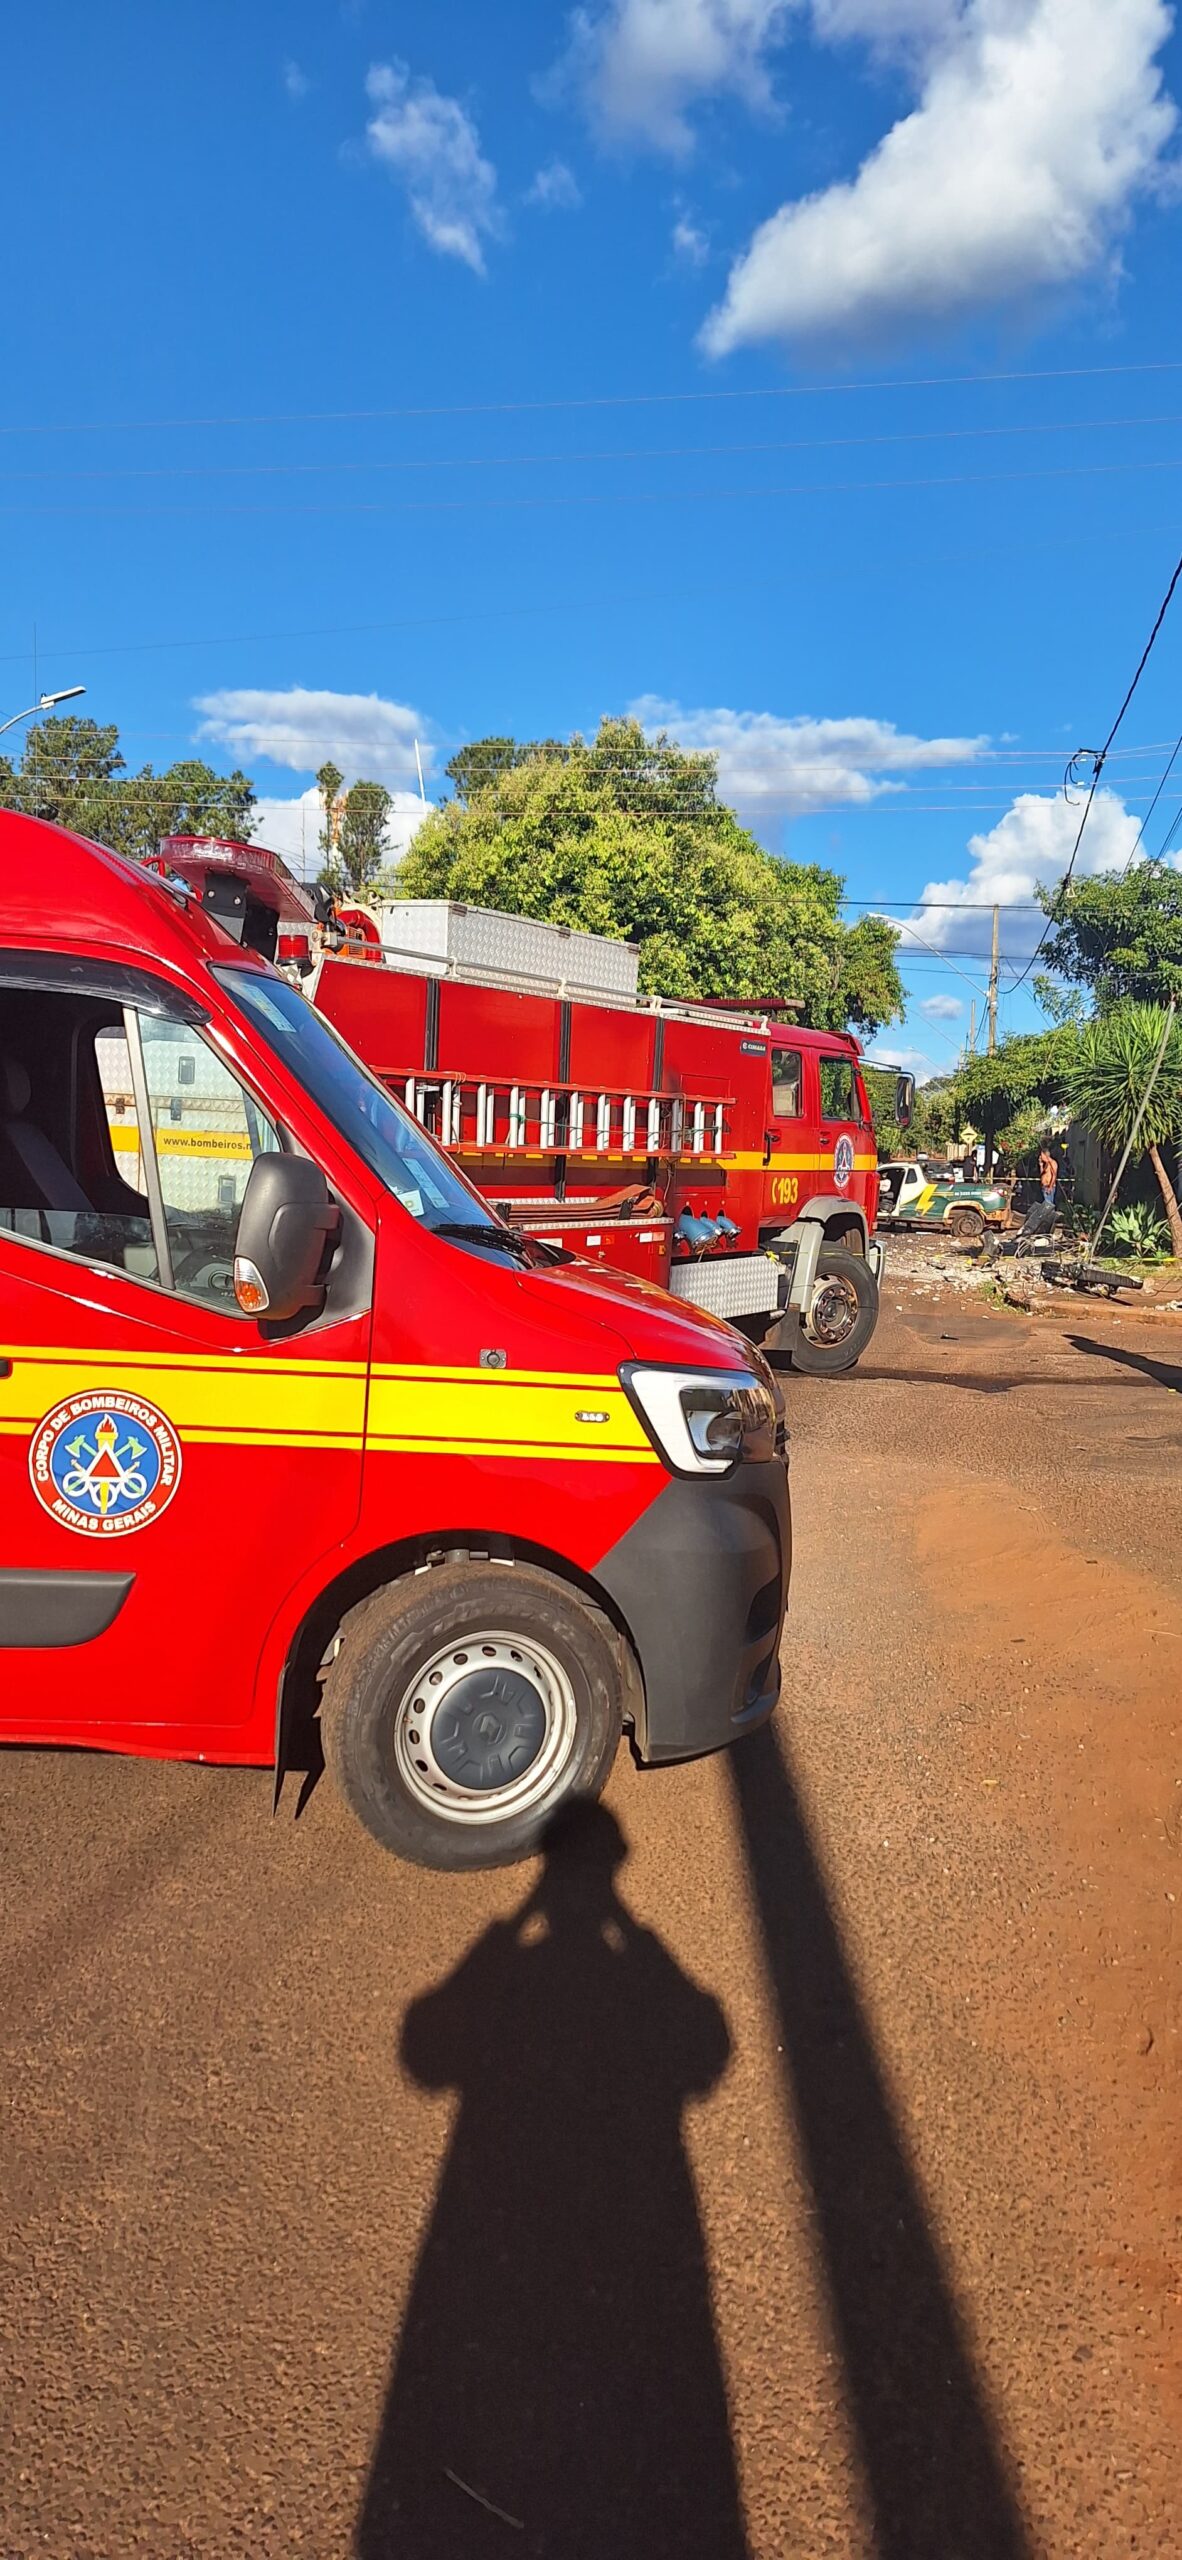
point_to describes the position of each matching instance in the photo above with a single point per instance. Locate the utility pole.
(993, 966)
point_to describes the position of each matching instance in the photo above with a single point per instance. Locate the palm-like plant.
(1106, 1082)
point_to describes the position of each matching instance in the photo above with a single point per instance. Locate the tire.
(406, 1727)
(821, 1358)
(967, 1222)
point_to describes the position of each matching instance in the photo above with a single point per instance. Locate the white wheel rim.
(486, 1728)
(833, 1312)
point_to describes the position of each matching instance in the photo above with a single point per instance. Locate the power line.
(1165, 845)
(893, 804)
(603, 453)
(600, 498)
(1149, 812)
(1098, 765)
(591, 400)
(961, 751)
(574, 603)
(951, 906)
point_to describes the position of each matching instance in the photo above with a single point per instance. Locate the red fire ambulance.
(289, 1415)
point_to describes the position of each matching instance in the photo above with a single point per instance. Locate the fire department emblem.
(843, 1163)
(104, 1464)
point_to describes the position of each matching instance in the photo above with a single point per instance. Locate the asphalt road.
(788, 2169)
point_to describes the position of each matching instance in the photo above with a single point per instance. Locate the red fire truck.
(719, 1150)
(289, 1415)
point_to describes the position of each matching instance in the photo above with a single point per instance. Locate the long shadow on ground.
(936, 2478)
(1164, 1373)
(556, 2390)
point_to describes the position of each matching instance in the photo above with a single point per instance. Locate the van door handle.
(768, 1142)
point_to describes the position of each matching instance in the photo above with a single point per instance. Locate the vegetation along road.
(784, 2169)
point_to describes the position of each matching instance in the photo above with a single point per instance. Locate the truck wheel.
(967, 1222)
(841, 1319)
(466, 1705)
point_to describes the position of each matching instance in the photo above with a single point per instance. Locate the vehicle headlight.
(703, 1422)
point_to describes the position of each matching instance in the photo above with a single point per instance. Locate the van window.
(123, 1128)
(208, 1131)
(72, 1148)
(787, 1074)
(838, 1099)
(65, 1180)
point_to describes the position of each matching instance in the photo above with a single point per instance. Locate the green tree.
(626, 835)
(329, 783)
(1032, 1067)
(1106, 1084)
(66, 771)
(200, 802)
(934, 1123)
(71, 771)
(1119, 938)
(361, 844)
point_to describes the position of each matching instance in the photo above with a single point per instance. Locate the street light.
(48, 702)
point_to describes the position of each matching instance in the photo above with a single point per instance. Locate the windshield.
(394, 1147)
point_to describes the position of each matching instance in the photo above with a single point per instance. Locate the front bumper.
(701, 1581)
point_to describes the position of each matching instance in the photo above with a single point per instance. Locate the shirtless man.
(1048, 1174)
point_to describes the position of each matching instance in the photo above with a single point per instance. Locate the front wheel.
(968, 1223)
(833, 1332)
(466, 1706)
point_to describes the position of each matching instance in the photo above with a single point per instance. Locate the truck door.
(785, 1146)
(844, 1142)
(168, 1473)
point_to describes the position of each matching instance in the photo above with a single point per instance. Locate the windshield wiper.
(473, 1231)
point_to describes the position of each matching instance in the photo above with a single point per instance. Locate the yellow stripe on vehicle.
(289, 1404)
(244, 1364)
(533, 1415)
(531, 1449)
(174, 1141)
(224, 1403)
(742, 1162)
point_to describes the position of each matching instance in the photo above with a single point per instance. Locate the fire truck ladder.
(476, 1117)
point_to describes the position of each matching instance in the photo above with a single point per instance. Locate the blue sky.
(804, 372)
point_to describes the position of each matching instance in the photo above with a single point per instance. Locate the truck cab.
(293, 1425)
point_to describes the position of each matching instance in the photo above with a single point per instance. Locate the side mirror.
(287, 1230)
(904, 1100)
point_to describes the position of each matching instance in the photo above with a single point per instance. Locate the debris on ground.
(930, 1267)
(930, 1273)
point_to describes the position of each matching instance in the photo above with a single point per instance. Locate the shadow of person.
(1162, 1373)
(557, 2370)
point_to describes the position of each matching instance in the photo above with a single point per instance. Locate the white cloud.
(689, 243)
(295, 82)
(1038, 122)
(890, 24)
(917, 1061)
(292, 828)
(301, 730)
(556, 189)
(773, 768)
(432, 147)
(639, 64)
(941, 1008)
(1030, 846)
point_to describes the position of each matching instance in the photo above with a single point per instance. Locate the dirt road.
(802, 2185)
